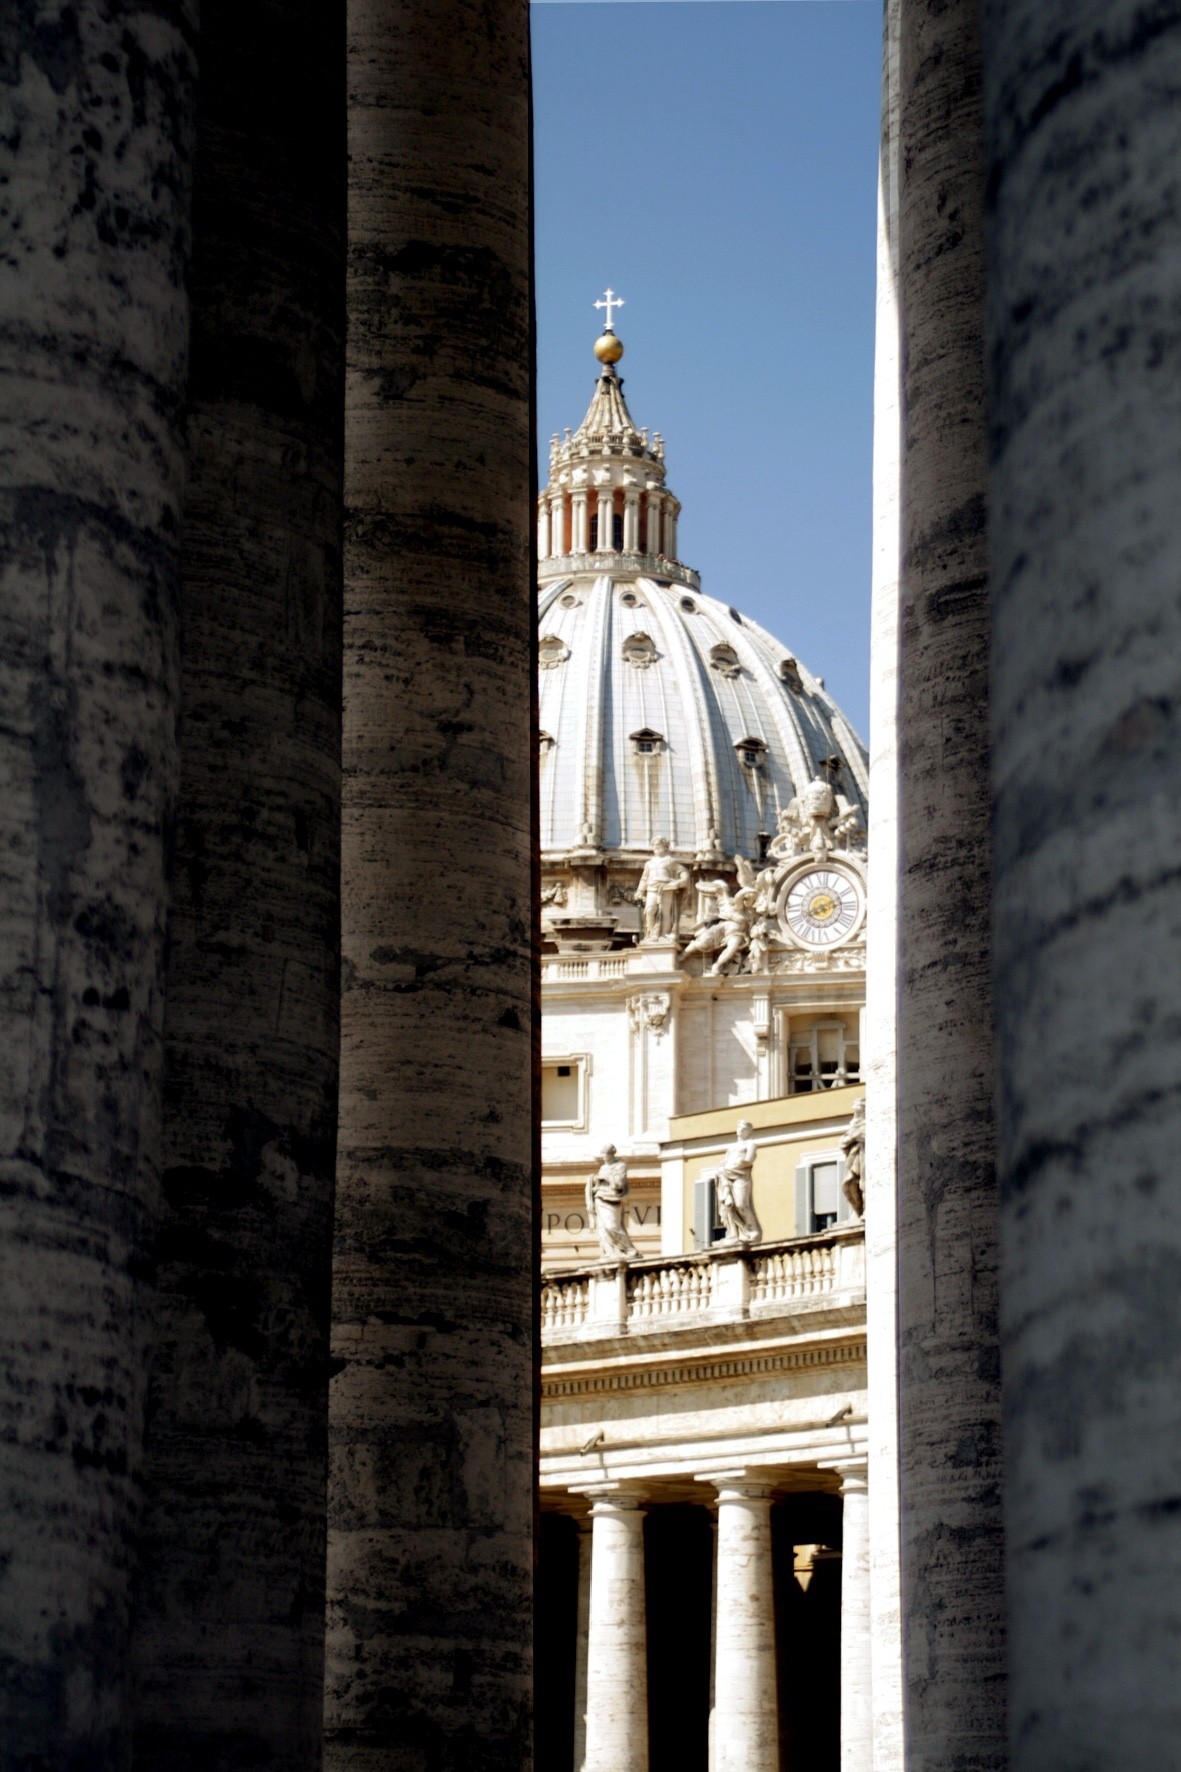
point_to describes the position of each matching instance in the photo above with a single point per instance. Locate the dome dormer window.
(725, 661)
(639, 650)
(751, 752)
(789, 670)
(552, 651)
(630, 600)
(647, 743)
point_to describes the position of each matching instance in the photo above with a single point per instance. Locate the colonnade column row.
(617, 1650)
(1084, 244)
(431, 1412)
(97, 114)
(745, 1720)
(949, 1378)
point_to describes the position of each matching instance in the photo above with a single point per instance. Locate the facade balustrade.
(619, 561)
(725, 1284)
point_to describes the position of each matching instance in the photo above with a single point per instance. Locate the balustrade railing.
(618, 561)
(558, 967)
(669, 1290)
(722, 1284)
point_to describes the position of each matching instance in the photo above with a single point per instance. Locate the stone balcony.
(803, 1276)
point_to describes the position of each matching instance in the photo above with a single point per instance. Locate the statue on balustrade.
(853, 1145)
(727, 933)
(661, 884)
(606, 1205)
(735, 1189)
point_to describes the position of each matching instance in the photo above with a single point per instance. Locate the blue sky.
(714, 161)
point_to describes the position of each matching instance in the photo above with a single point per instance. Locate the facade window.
(820, 1204)
(617, 534)
(751, 752)
(725, 661)
(822, 1054)
(646, 742)
(552, 651)
(639, 650)
(563, 1092)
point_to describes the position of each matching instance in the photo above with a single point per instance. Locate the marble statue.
(816, 822)
(661, 884)
(606, 1203)
(728, 933)
(735, 1187)
(853, 1145)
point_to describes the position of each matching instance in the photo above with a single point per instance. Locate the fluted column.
(97, 123)
(579, 525)
(617, 1649)
(653, 523)
(631, 522)
(582, 1639)
(1084, 354)
(746, 1716)
(557, 528)
(606, 536)
(431, 1474)
(856, 1659)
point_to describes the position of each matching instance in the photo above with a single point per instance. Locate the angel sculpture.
(727, 934)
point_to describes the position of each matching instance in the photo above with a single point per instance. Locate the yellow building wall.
(801, 1126)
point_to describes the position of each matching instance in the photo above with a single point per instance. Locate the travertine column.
(653, 523)
(543, 529)
(431, 1490)
(879, 1023)
(558, 523)
(746, 1718)
(582, 1639)
(670, 531)
(1085, 518)
(856, 1661)
(229, 1617)
(949, 1395)
(631, 522)
(96, 122)
(617, 1651)
(579, 526)
(605, 536)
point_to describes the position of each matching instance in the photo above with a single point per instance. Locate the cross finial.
(612, 301)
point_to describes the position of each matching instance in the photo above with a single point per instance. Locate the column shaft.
(653, 523)
(431, 1487)
(617, 1651)
(605, 537)
(949, 1393)
(229, 1631)
(581, 1641)
(856, 1663)
(746, 1719)
(543, 530)
(1085, 528)
(97, 120)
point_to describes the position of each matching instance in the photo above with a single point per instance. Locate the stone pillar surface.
(949, 1394)
(96, 140)
(230, 1614)
(431, 1413)
(1084, 243)
(880, 1043)
(857, 1720)
(745, 1716)
(582, 1640)
(617, 1650)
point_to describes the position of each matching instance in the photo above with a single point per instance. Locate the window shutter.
(803, 1200)
(704, 1211)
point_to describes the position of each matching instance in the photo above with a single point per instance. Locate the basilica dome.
(663, 712)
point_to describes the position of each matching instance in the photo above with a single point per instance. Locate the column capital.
(613, 1497)
(853, 1472)
(742, 1484)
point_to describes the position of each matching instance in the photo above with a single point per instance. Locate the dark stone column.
(432, 1432)
(96, 126)
(229, 1645)
(949, 1398)
(1085, 389)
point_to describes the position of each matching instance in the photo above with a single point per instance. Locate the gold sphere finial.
(608, 348)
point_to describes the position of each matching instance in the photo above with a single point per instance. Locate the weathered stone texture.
(95, 149)
(432, 1411)
(1085, 388)
(229, 1640)
(949, 1398)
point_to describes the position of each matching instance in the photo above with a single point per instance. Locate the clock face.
(822, 907)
